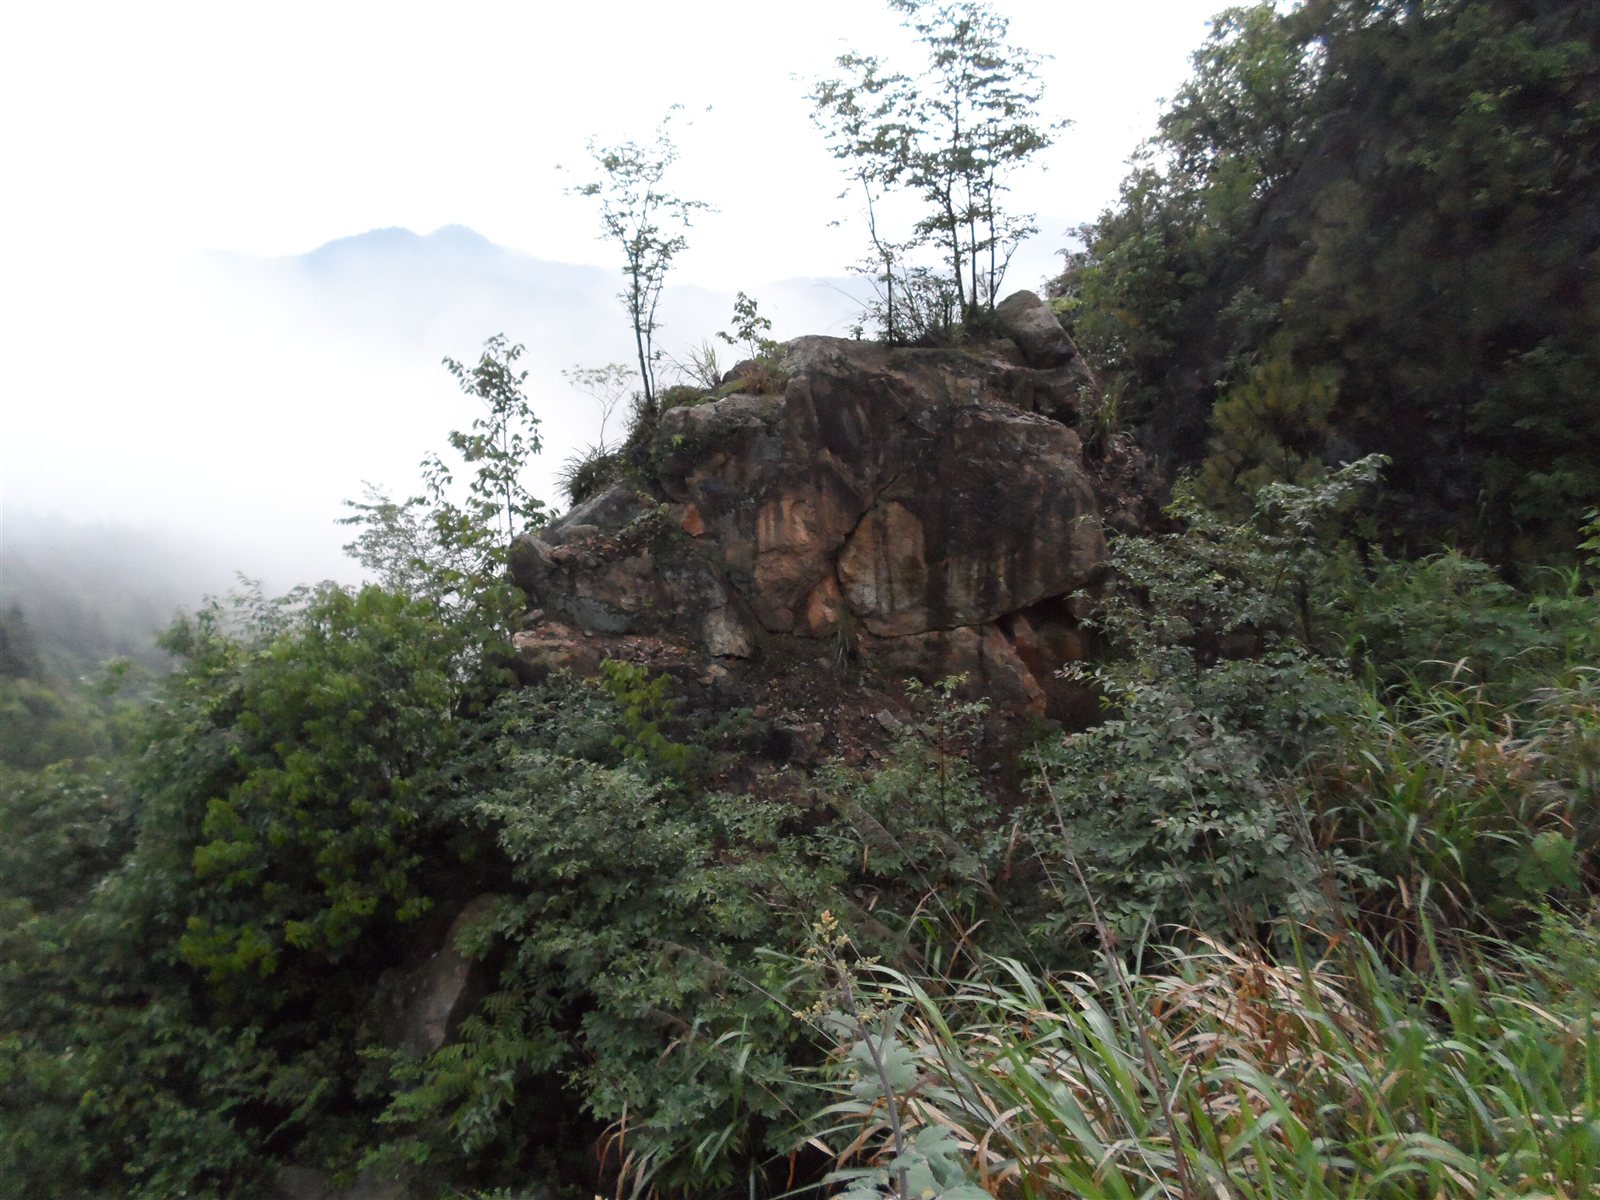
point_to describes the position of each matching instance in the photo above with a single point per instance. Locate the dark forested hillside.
(1371, 226)
(81, 611)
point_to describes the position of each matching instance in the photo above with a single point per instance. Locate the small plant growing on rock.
(750, 328)
(643, 219)
(699, 366)
(762, 371)
(588, 474)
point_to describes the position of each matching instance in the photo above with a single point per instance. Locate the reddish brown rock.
(553, 646)
(1047, 638)
(995, 517)
(824, 608)
(982, 653)
(903, 504)
(940, 502)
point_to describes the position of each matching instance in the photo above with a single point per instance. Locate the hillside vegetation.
(347, 906)
(1370, 225)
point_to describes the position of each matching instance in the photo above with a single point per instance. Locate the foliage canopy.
(949, 135)
(1361, 228)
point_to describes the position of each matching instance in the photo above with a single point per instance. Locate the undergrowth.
(1219, 1071)
(1305, 915)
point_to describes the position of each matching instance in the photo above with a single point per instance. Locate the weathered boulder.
(898, 505)
(424, 1002)
(546, 646)
(644, 575)
(1028, 321)
(902, 479)
(418, 1005)
(612, 509)
(990, 516)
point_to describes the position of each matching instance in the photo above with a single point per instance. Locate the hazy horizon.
(212, 337)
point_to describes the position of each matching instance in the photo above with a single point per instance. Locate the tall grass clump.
(1219, 1073)
(1461, 811)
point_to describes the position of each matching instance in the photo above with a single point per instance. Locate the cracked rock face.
(928, 507)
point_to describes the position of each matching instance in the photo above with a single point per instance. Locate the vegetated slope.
(95, 592)
(334, 788)
(1371, 227)
(362, 911)
(714, 901)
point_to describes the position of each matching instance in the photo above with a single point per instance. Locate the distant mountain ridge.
(456, 270)
(457, 239)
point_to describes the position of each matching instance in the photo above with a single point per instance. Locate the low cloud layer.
(265, 391)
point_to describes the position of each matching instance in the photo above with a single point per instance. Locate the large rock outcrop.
(925, 511)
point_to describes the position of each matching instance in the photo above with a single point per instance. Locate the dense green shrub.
(1450, 617)
(289, 769)
(624, 949)
(183, 998)
(632, 947)
(65, 826)
(919, 831)
(1186, 805)
(1185, 808)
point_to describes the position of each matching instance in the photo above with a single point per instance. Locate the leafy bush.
(183, 1003)
(1450, 617)
(65, 826)
(293, 767)
(638, 948)
(1185, 808)
(622, 950)
(921, 828)
(1185, 805)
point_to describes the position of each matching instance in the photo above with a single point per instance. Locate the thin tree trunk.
(888, 262)
(954, 224)
(994, 238)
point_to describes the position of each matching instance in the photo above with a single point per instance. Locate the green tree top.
(452, 549)
(648, 223)
(949, 135)
(1398, 197)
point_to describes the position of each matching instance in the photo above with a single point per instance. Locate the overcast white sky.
(137, 136)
